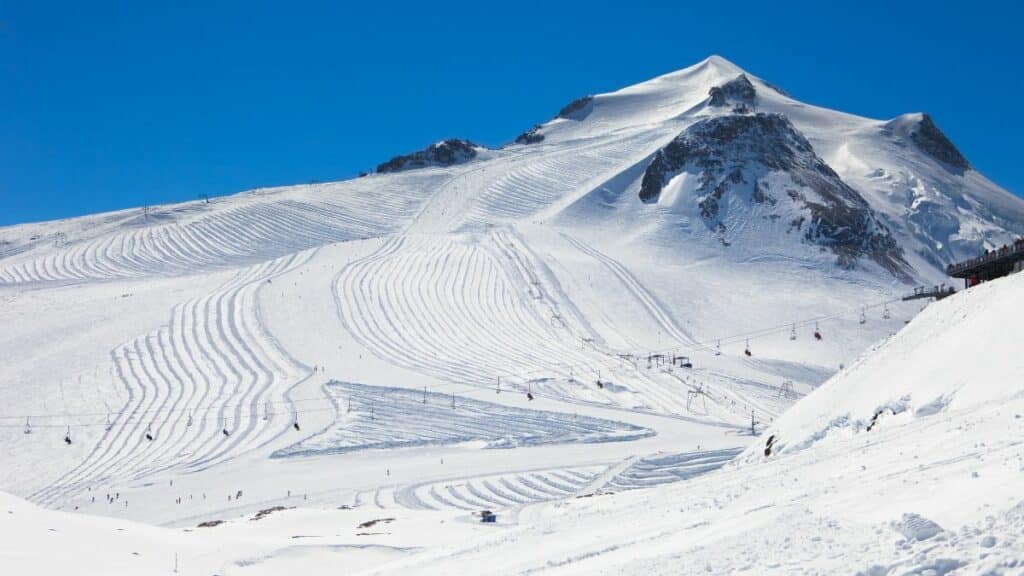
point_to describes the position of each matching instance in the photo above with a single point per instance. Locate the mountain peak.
(737, 92)
(720, 62)
(926, 135)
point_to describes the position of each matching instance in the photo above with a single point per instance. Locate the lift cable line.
(165, 415)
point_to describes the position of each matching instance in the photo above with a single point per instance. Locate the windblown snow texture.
(378, 418)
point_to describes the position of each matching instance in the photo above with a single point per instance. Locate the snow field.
(212, 368)
(218, 238)
(378, 418)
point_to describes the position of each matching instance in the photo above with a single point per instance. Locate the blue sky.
(107, 105)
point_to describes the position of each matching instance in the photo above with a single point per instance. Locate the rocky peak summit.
(738, 93)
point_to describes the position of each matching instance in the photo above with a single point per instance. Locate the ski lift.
(149, 433)
(67, 436)
(28, 427)
(817, 332)
(792, 332)
(718, 348)
(885, 313)
(863, 317)
(682, 361)
(266, 412)
(188, 424)
(108, 426)
(225, 430)
(295, 425)
(747, 349)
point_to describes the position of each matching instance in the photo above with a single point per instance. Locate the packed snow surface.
(596, 332)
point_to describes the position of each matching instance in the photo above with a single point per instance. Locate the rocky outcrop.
(737, 93)
(747, 156)
(927, 136)
(531, 136)
(443, 153)
(578, 109)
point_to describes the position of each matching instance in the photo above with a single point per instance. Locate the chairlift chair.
(863, 316)
(747, 349)
(792, 332)
(817, 332)
(28, 427)
(67, 436)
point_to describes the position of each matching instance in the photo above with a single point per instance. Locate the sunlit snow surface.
(178, 348)
(378, 418)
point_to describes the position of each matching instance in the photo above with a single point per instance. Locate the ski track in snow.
(533, 185)
(221, 239)
(471, 313)
(213, 364)
(664, 469)
(374, 417)
(498, 491)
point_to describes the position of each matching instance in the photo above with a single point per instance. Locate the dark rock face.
(578, 109)
(738, 93)
(531, 136)
(733, 155)
(444, 153)
(933, 142)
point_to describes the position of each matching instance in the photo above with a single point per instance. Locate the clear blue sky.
(107, 105)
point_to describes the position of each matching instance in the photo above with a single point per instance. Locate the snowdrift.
(957, 354)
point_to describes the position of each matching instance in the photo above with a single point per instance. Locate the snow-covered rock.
(444, 153)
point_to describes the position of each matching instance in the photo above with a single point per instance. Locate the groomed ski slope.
(934, 489)
(931, 491)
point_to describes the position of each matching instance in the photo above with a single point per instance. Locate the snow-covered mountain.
(710, 150)
(609, 302)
